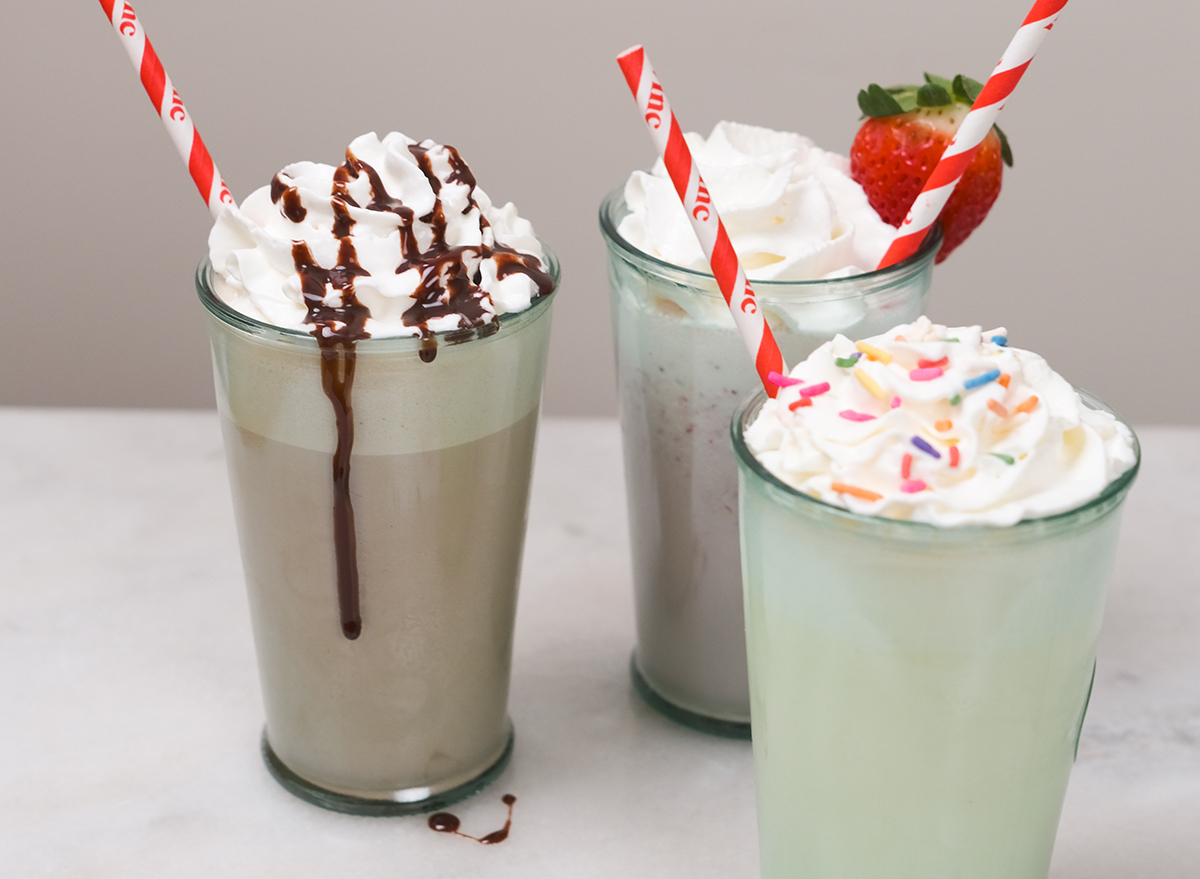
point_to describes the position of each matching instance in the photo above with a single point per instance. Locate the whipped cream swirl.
(396, 241)
(791, 209)
(948, 426)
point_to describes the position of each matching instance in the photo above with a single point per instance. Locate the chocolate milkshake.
(379, 334)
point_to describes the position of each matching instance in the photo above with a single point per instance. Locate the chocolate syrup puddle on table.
(444, 822)
(449, 286)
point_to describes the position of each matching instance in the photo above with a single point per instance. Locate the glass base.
(713, 726)
(352, 805)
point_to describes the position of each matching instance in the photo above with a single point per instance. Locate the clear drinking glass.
(917, 692)
(412, 714)
(681, 370)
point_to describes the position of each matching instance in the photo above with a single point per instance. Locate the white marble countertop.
(130, 712)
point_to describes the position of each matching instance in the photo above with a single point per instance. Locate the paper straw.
(668, 138)
(975, 127)
(166, 101)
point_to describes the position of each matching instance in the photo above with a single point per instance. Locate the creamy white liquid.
(682, 369)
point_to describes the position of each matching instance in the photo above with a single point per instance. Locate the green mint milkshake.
(929, 520)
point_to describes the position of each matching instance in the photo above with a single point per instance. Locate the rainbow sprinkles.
(944, 425)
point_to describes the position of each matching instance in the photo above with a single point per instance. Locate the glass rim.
(750, 406)
(230, 316)
(615, 200)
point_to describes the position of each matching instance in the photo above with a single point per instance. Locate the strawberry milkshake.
(807, 238)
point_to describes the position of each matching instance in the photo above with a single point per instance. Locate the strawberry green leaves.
(965, 88)
(933, 95)
(877, 102)
(1005, 149)
(946, 84)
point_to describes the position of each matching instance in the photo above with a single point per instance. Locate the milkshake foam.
(791, 209)
(946, 425)
(398, 221)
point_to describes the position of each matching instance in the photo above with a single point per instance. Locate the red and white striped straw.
(975, 127)
(731, 279)
(166, 101)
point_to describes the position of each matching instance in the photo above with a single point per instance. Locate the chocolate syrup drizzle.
(449, 286)
(450, 275)
(337, 328)
(444, 822)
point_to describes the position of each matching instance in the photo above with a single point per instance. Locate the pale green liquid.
(915, 703)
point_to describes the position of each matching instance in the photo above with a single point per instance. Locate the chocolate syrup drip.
(342, 175)
(428, 349)
(460, 173)
(511, 262)
(450, 276)
(382, 200)
(421, 154)
(337, 328)
(444, 822)
(292, 209)
(449, 285)
(342, 222)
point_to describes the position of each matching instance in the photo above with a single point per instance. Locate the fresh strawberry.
(907, 130)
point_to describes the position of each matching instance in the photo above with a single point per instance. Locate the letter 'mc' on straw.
(166, 101)
(668, 139)
(975, 127)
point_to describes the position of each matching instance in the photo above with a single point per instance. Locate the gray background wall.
(1084, 257)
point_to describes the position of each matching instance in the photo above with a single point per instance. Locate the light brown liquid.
(419, 698)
